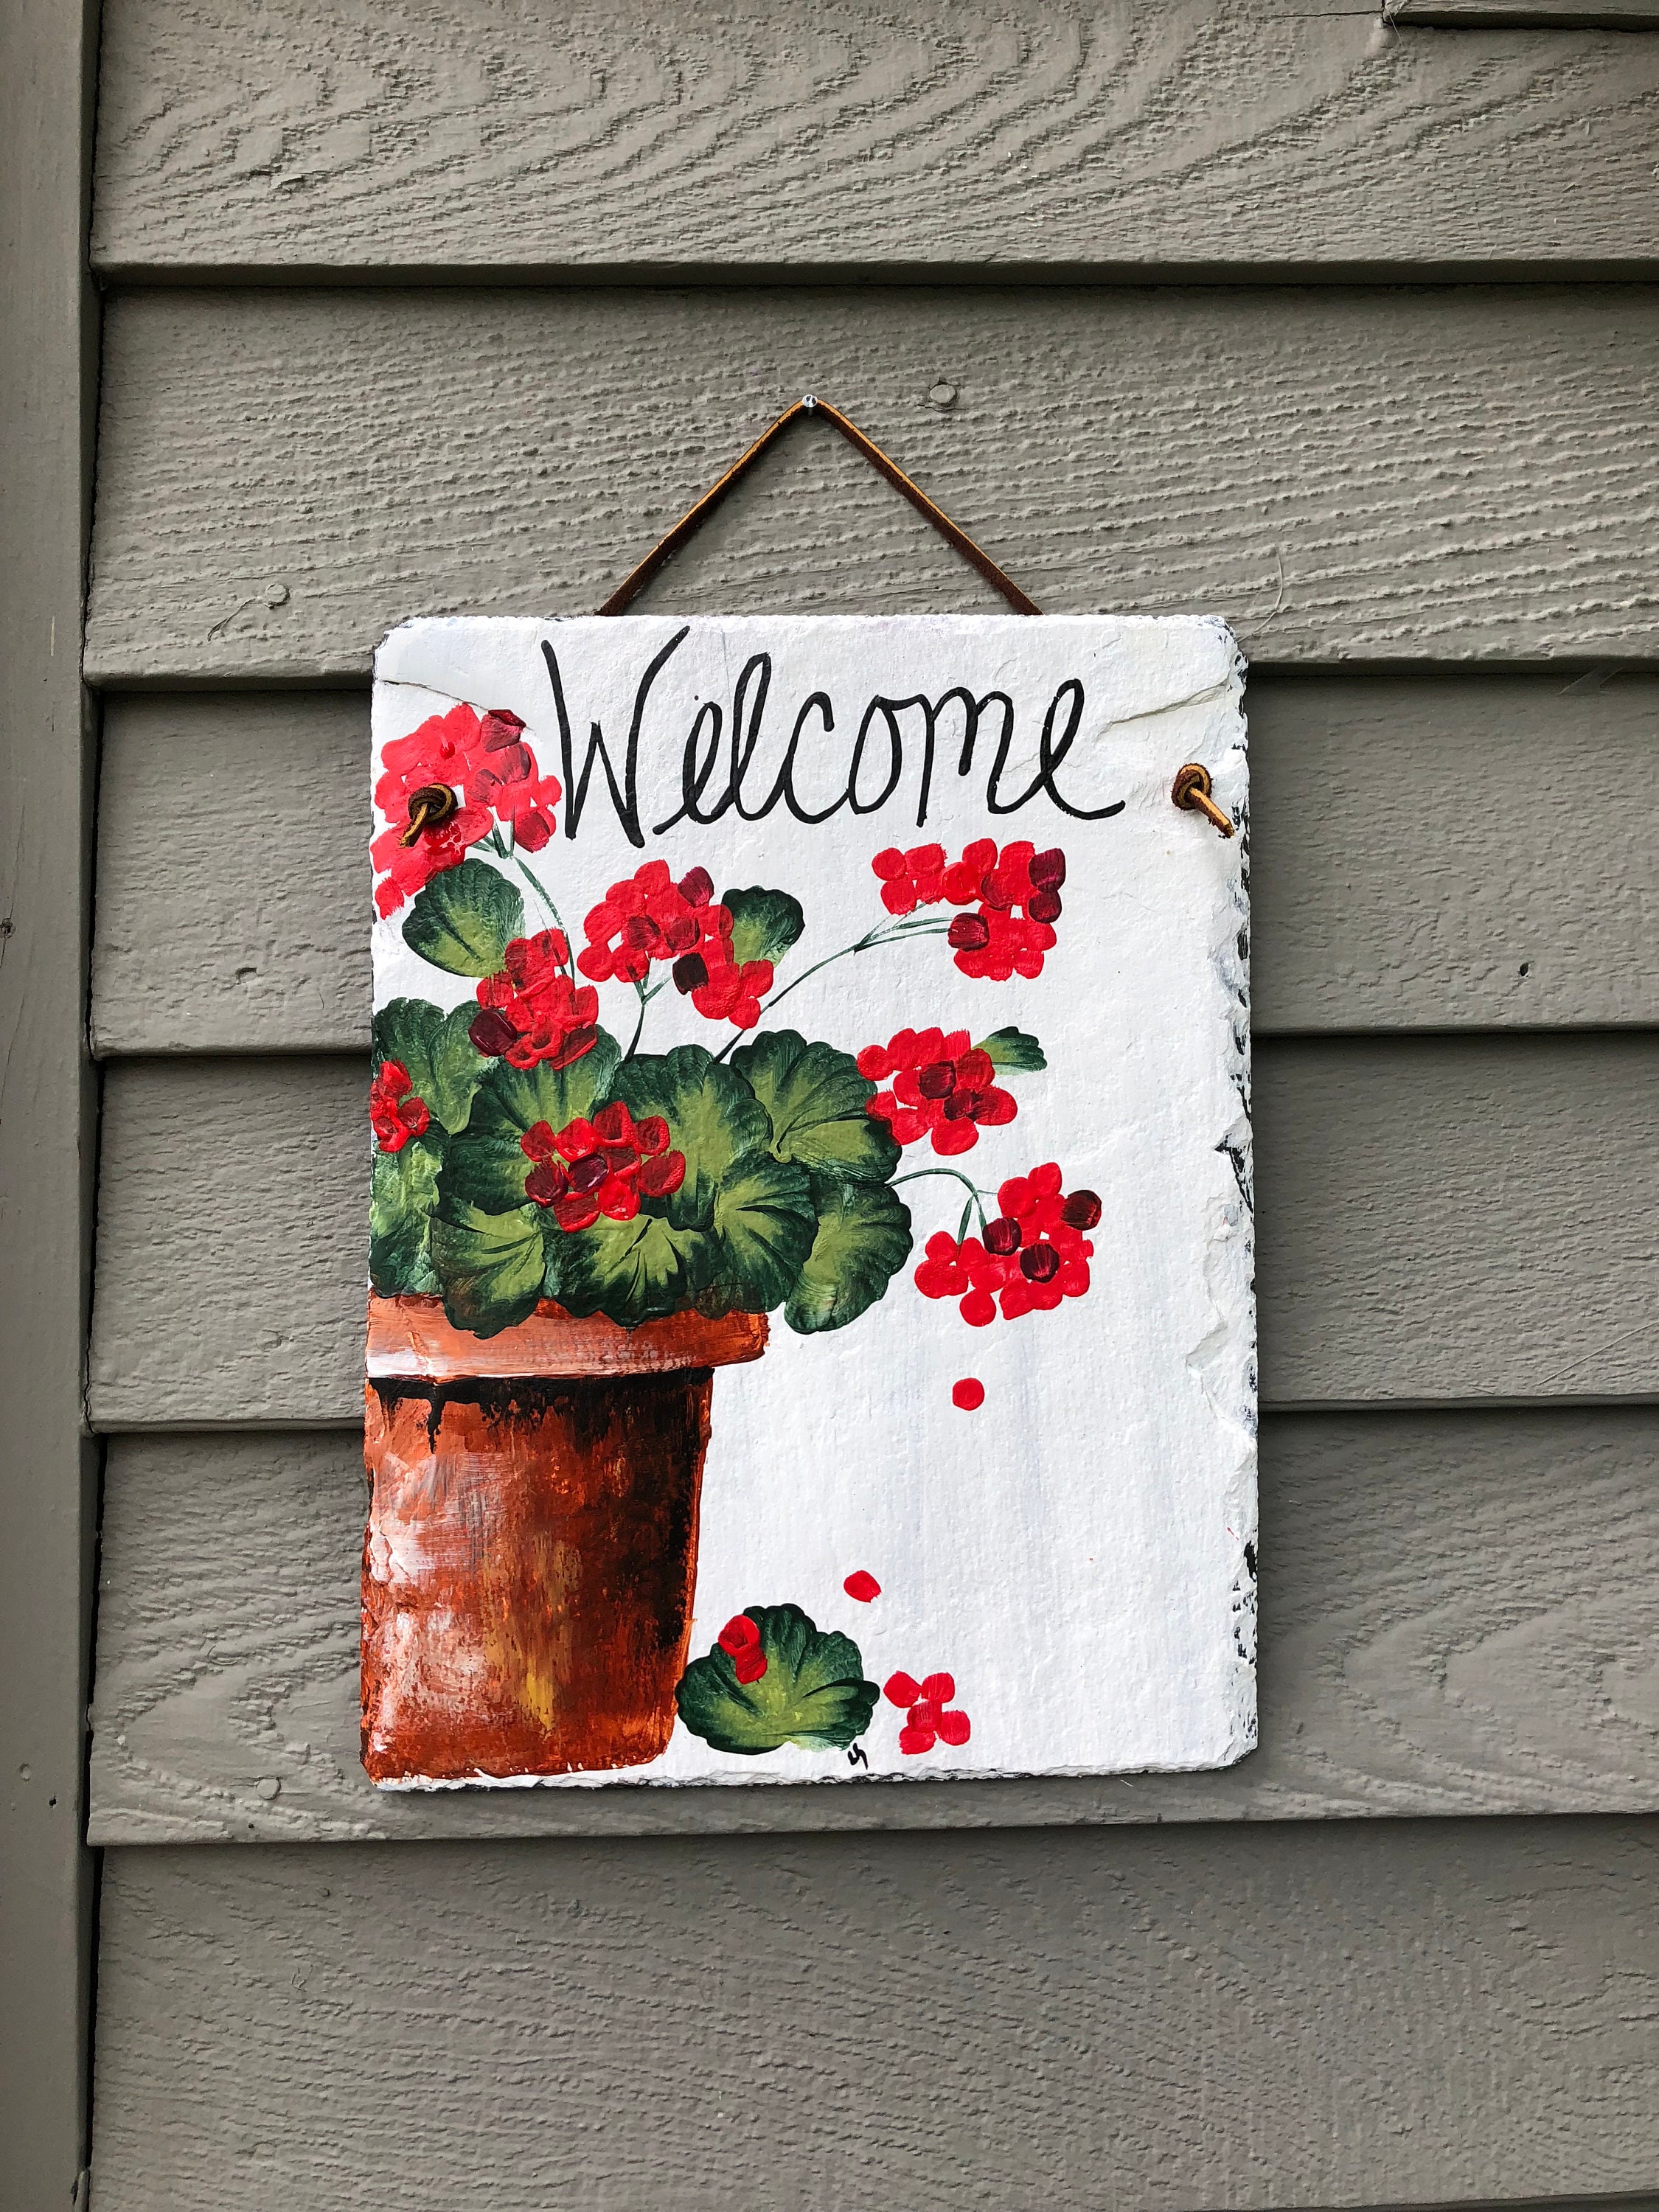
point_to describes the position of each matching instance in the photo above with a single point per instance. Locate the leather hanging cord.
(690, 522)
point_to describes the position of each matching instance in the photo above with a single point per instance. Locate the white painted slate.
(1460, 1615)
(1394, 476)
(1178, 2018)
(1132, 133)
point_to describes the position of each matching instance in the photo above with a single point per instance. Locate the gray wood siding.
(1424, 854)
(1458, 1612)
(1447, 1220)
(1290, 315)
(1165, 2019)
(1394, 476)
(1215, 134)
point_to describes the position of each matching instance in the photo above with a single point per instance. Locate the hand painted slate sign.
(810, 1324)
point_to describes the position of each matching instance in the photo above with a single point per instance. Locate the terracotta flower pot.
(531, 1546)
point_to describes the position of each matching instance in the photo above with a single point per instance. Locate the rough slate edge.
(1243, 423)
(218, 150)
(1487, 1657)
(1422, 922)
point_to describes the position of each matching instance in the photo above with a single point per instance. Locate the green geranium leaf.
(464, 920)
(818, 1103)
(443, 1064)
(764, 1225)
(732, 1237)
(745, 1260)
(634, 1271)
(486, 1165)
(713, 1117)
(813, 1692)
(403, 1190)
(1014, 1048)
(488, 1266)
(863, 1240)
(764, 924)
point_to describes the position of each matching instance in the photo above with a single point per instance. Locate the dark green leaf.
(403, 1190)
(863, 1240)
(764, 1227)
(713, 1117)
(634, 1271)
(487, 1164)
(490, 1266)
(818, 1103)
(444, 1065)
(1014, 1048)
(812, 1693)
(464, 920)
(764, 924)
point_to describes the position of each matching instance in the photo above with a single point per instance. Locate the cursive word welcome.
(725, 753)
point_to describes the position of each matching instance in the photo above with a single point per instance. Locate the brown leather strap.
(690, 522)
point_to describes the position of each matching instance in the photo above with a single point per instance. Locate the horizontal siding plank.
(1425, 854)
(455, 134)
(1459, 1615)
(1532, 14)
(1170, 2019)
(1448, 1219)
(1398, 477)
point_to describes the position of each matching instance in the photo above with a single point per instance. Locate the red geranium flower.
(395, 1112)
(603, 1166)
(721, 987)
(740, 1640)
(505, 777)
(929, 1717)
(1035, 1253)
(485, 760)
(646, 917)
(1017, 891)
(942, 1087)
(531, 1011)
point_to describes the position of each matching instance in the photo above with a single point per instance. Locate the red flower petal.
(941, 1688)
(862, 1586)
(748, 1666)
(901, 1689)
(954, 1728)
(968, 1393)
(914, 1739)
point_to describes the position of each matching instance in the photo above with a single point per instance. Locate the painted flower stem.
(645, 997)
(883, 934)
(975, 1196)
(512, 852)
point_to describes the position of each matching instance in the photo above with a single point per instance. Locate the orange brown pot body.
(531, 1546)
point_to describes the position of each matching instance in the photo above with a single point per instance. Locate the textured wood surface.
(48, 1104)
(1128, 133)
(1460, 1614)
(1397, 475)
(1425, 854)
(1174, 2019)
(1444, 1220)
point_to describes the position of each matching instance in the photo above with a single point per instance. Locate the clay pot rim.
(410, 1338)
